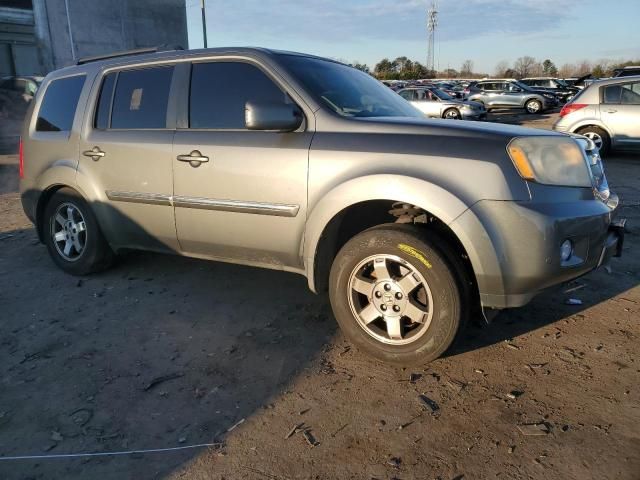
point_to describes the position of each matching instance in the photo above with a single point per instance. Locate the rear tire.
(599, 137)
(415, 303)
(73, 236)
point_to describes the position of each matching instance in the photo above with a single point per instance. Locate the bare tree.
(566, 70)
(501, 68)
(525, 66)
(467, 68)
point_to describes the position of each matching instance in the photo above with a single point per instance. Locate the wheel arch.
(364, 202)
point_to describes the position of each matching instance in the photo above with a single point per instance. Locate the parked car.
(299, 163)
(16, 94)
(435, 103)
(510, 94)
(607, 112)
(562, 90)
(628, 71)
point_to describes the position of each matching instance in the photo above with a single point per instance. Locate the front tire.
(533, 106)
(72, 235)
(397, 295)
(452, 114)
(599, 137)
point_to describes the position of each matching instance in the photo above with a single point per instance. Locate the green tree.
(549, 68)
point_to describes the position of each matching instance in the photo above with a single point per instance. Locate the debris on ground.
(395, 462)
(81, 416)
(573, 301)
(529, 429)
(56, 436)
(428, 403)
(308, 436)
(513, 394)
(414, 377)
(237, 424)
(164, 378)
(339, 430)
(294, 430)
(456, 385)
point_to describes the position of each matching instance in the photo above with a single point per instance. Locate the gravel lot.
(164, 352)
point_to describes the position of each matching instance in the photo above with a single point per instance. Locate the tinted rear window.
(141, 98)
(220, 91)
(59, 104)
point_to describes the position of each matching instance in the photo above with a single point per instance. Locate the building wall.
(72, 29)
(18, 51)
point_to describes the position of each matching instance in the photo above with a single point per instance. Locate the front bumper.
(514, 247)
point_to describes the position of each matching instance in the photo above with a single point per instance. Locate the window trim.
(184, 108)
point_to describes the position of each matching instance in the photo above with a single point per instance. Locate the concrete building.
(37, 36)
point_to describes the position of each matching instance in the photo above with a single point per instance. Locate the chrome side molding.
(237, 206)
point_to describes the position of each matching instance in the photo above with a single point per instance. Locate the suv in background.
(562, 90)
(607, 112)
(510, 94)
(628, 71)
(298, 163)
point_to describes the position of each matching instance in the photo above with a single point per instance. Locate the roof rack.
(126, 53)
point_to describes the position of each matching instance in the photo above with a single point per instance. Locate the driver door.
(245, 199)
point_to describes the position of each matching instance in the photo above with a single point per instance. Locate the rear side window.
(59, 104)
(220, 90)
(631, 94)
(612, 94)
(408, 94)
(141, 98)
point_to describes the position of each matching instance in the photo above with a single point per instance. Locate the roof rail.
(126, 53)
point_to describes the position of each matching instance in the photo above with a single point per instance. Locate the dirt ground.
(166, 352)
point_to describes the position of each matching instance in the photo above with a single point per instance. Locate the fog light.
(566, 250)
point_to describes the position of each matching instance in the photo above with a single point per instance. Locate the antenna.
(432, 23)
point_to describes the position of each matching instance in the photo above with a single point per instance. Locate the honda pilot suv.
(510, 94)
(298, 163)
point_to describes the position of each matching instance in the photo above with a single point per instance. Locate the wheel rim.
(390, 299)
(597, 139)
(452, 114)
(69, 232)
(533, 107)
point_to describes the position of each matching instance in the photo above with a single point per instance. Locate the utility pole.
(432, 23)
(204, 23)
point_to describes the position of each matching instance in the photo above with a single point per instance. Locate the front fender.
(428, 196)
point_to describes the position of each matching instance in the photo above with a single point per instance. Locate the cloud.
(398, 20)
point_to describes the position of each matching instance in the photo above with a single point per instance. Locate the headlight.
(550, 161)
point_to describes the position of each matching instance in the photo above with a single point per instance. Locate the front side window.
(141, 98)
(345, 90)
(59, 104)
(220, 91)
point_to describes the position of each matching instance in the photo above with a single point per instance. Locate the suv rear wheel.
(397, 295)
(72, 235)
(533, 106)
(598, 136)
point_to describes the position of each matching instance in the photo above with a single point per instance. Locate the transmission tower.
(432, 23)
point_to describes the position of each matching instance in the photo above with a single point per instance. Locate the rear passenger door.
(247, 201)
(620, 111)
(126, 157)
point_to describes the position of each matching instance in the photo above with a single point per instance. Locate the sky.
(484, 31)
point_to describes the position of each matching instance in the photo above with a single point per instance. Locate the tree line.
(402, 68)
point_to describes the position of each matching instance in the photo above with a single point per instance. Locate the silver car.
(297, 163)
(607, 112)
(435, 103)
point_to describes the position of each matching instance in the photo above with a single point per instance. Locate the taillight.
(21, 159)
(570, 108)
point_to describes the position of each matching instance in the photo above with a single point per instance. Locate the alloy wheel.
(69, 231)
(390, 299)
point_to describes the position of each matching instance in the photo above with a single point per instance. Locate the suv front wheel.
(397, 295)
(72, 235)
(533, 106)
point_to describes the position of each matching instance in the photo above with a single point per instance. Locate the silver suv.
(298, 163)
(607, 111)
(510, 94)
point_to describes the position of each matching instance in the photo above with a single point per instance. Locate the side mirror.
(280, 117)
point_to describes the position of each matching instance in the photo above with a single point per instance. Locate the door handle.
(195, 158)
(95, 153)
(612, 111)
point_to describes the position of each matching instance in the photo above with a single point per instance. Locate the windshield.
(347, 91)
(522, 85)
(562, 83)
(441, 95)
